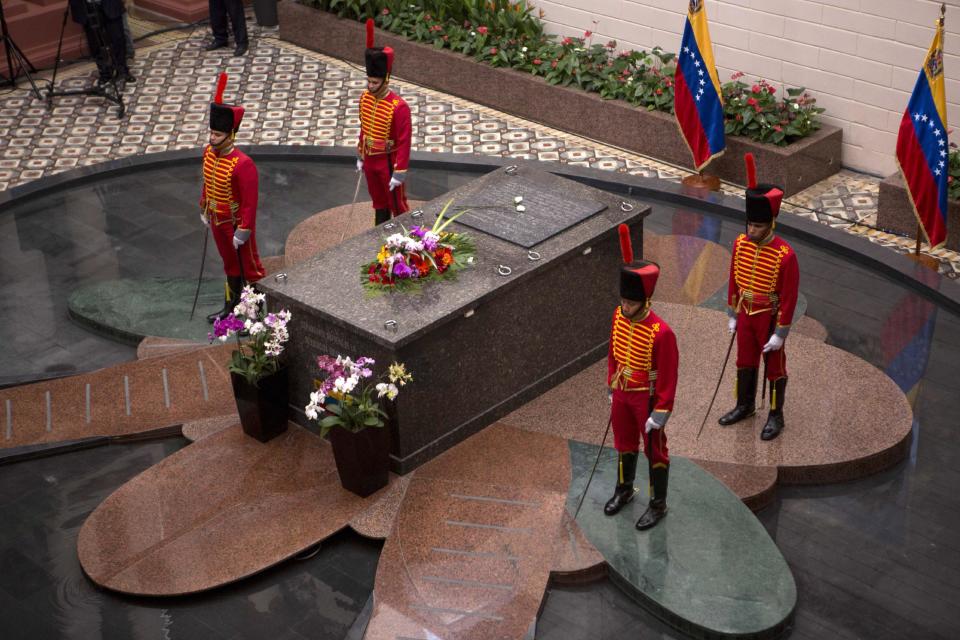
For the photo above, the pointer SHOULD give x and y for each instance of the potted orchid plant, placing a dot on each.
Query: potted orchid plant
(348, 404)
(259, 378)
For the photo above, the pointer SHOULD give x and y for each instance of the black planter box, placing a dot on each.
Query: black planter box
(262, 408)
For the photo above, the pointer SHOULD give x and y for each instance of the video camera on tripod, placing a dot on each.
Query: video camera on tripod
(102, 22)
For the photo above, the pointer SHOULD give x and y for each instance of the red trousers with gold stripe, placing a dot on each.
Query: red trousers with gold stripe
(252, 269)
(629, 414)
(752, 333)
(376, 170)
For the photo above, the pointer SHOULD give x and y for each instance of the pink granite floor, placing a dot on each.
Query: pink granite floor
(217, 511)
(472, 548)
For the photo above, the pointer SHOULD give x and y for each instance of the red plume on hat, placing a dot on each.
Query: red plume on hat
(751, 170)
(626, 246)
(369, 33)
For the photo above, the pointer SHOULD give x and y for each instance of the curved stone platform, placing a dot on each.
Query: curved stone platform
(132, 398)
(217, 511)
(470, 552)
(845, 418)
(709, 568)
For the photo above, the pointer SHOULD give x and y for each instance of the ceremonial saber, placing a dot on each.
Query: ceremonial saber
(203, 259)
(723, 369)
(356, 191)
(594, 470)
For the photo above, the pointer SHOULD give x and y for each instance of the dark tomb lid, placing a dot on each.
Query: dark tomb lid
(549, 205)
(327, 288)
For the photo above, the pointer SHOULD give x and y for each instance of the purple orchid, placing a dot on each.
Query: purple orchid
(225, 327)
(401, 270)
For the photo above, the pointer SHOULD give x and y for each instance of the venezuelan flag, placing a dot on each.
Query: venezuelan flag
(697, 98)
(922, 145)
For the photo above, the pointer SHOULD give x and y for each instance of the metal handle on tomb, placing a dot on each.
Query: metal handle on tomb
(511, 170)
(625, 206)
(417, 213)
(504, 270)
(533, 255)
(390, 325)
(280, 277)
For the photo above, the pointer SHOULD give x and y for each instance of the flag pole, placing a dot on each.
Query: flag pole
(700, 181)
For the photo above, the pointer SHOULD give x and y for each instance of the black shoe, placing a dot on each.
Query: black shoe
(380, 216)
(737, 414)
(129, 78)
(656, 512)
(775, 421)
(215, 45)
(240, 50)
(621, 497)
(746, 398)
(773, 427)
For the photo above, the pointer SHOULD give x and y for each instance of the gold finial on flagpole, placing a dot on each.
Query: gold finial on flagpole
(943, 12)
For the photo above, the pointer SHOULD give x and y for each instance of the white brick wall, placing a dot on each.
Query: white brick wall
(860, 58)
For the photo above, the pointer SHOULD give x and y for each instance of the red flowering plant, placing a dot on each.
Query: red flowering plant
(409, 259)
(754, 111)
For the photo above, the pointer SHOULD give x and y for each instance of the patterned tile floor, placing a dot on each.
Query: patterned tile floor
(296, 96)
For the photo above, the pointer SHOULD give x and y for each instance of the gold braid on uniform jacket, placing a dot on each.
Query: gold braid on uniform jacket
(633, 349)
(756, 269)
(218, 180)
(376, 122)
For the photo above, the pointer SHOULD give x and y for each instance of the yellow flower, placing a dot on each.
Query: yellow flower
(383, 255)
(397, 373)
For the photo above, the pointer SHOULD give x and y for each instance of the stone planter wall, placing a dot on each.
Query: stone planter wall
(895, 213)
(614, 122)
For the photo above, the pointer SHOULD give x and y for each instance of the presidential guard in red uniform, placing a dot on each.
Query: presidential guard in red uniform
(642, 381)
(761, 299)
(383, 152)
(228, 202)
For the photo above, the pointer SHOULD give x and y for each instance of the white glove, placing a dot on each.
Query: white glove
(237, 242)
(394, 183)
(610, 396)
(359, 164)
(773, 344)
(650, 425)
(732, 325)
(204, 220)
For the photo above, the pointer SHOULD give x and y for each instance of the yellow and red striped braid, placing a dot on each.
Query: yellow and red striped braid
(633, 343)
(376, 116)
(217, 176)
(756, 267)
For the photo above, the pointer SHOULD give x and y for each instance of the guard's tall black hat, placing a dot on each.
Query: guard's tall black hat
(763, 200)
(638, 278)
(379, 60)
(224, 117)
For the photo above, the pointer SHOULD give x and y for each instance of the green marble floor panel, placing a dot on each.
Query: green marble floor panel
(709, 568)
(131, 309)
